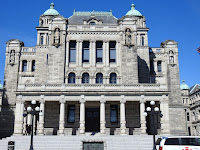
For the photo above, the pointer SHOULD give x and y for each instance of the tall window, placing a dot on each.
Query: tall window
(33, 66)
(113, 113)
(71, 114)
(99, 78)
(142, 41)
(159, 66)
(72, 51)
(113, 78)
(41, 40)
(86, 51)
(85, 78)
(47, 59)
(72, 78)
(99, 51)
(112, 49)
(24, 65)
(188, 117)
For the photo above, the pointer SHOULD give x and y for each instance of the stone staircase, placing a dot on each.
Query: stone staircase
(130, 142)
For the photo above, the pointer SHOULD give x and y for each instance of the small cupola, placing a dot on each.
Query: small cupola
(184, 86)
(133, 12)
(51, 11)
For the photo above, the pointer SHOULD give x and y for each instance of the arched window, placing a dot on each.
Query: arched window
(92, 23)
(41, 40)
(24, 65)
(99, 78)
(159, 66)
(85, 78)
(72, 78)
(113, 78)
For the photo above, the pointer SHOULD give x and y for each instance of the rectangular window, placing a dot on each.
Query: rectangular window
(86, 51)
(71, 114)
(41, 40)
(33, 65)
(113, 113)
(112, 49)
(72, 51)
(99, 51)
(24, 65)
(159, 66)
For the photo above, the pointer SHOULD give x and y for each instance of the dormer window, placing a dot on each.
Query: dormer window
(93, 21)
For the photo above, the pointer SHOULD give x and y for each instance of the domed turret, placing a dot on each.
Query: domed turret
(133, 12)
(51, 11)
(184, 86)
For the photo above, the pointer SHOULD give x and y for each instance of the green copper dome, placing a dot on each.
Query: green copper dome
(184, 86)
(133, 11)
(51, 11)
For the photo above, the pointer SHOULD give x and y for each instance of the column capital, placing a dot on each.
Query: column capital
(19, 99)
(42, 100)
(79, 41)
(82, 99)
(122, 100)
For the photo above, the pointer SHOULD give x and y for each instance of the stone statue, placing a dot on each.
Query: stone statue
(171, 59)
(57, 36)
(12, 57)
(128, 37)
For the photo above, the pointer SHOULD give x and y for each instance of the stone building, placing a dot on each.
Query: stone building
(92, 72)
(191, 99)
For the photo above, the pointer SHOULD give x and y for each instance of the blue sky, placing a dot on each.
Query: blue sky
(177, 20)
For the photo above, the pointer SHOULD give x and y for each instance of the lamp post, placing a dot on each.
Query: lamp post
(33, 111)
(153, 111)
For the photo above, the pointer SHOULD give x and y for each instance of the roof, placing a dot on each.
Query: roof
(51, 11)
(1, 86)
(133, 12)
(80, 16)
(194, 88)
(184, 86)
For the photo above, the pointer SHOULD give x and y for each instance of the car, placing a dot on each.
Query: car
(178, 143)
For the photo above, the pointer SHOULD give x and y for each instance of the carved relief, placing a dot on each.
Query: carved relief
(128, 37)
(56, 40)
(12, 57)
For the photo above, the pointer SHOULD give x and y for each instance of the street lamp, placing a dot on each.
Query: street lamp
(153, 111)
(33, 111)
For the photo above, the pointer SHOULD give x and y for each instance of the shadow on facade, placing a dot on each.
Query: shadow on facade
(143, 71)
(6, 119)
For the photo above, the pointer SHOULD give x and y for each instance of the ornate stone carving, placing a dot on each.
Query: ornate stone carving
(128, 37)
(57, 37)
(12, 57)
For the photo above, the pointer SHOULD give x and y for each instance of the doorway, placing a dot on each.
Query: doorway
(92, 120)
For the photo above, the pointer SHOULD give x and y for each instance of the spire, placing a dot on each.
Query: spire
(52, 6)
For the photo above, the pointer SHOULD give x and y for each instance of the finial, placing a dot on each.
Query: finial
(133, 6)
(52, 5)
(183, 81)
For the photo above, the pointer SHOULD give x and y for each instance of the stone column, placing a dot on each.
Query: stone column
(92, 53)
(67, 54)
(164, 108)
(122, 115)
(118, 53)
(18, 126)
(82, 115)
(107, 53)
(102, 116)
(142, 117)
(104, 53)
(41, 118)
(79, 60)
(62, 116)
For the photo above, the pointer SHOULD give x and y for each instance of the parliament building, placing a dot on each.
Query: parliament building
(92, 73)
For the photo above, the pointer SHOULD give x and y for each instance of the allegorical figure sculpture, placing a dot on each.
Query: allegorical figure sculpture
(171, 57)
(12, 57)
(57, 36)
(128, 37)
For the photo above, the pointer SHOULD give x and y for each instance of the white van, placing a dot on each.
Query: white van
(178, 143)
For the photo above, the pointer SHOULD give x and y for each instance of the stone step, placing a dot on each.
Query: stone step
(75, 142)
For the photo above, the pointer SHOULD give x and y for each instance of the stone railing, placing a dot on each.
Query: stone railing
(92, 87)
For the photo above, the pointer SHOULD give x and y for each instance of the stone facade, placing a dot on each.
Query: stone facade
(190, 99)
(61, 74)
